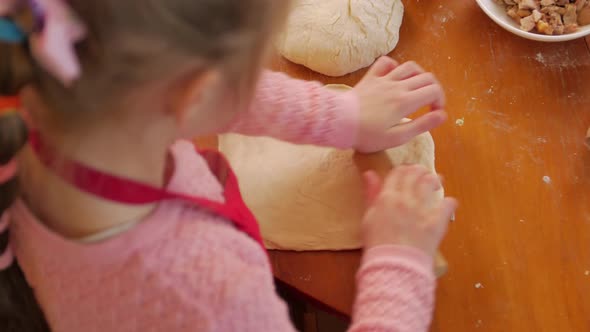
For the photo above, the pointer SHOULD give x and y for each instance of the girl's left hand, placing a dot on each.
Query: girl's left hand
(390, 92)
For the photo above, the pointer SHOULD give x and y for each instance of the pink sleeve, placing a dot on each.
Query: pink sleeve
(236, 292)
(395, 291)
(300, 112)
(395, 294)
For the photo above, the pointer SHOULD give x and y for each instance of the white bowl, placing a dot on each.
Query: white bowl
(498, 14)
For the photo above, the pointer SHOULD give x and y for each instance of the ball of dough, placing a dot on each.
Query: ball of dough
(307, 197)
(337, 37)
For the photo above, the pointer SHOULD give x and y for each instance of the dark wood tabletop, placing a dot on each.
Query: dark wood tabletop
(519, 251)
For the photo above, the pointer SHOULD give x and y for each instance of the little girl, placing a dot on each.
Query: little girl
(119, 224)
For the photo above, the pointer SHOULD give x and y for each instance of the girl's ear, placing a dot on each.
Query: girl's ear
(194, 93)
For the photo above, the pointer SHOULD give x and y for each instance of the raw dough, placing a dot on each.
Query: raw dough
(337, 37)
(307, 197)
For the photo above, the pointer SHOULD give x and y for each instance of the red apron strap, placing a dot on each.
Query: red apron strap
(127, 191)
(245, 219)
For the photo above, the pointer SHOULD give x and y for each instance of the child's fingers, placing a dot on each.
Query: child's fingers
(427, 185)
(393, 182)
(410, 181)
(405, 71)
(383, 66)
(373, 186)
(419, 81)
(447, 209)
(403, 133)
(432, 95)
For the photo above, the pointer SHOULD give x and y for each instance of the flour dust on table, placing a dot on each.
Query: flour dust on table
(309, 198)
(337, 37)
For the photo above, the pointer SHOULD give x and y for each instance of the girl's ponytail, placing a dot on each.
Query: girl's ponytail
(18, 309)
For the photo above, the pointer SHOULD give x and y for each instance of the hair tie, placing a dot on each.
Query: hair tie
(9, 104)
(11, 32)
(8, 171)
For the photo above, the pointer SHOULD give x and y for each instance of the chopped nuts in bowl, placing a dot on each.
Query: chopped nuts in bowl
(542, 20)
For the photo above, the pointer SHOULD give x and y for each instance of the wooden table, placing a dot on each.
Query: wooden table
(519, 251)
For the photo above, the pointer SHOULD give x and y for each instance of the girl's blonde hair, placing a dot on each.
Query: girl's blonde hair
(129, 43)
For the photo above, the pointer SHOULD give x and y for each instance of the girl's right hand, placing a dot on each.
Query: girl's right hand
(388, 94)
(405, 209)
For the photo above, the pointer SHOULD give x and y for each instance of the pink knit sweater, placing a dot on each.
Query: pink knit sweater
(181, 269)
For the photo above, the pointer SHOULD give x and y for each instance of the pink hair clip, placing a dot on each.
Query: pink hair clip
(54, 45)
(56, 32)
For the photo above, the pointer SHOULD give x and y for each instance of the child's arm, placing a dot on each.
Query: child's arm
(366, 118)
(300, 112)
(395, 294)
(223, 280)
(395, 291)
(402, 229)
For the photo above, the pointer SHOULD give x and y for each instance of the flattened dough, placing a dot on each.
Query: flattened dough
(306, 197)
(337, 37)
